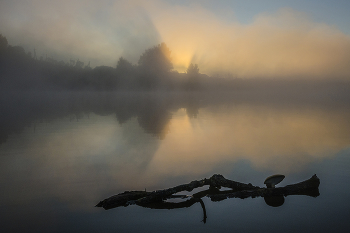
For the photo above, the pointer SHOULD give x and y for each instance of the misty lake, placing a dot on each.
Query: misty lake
(61, 153)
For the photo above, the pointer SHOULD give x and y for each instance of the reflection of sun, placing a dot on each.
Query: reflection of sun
(272, 139)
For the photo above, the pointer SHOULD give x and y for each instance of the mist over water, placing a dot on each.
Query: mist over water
(72, 135)
(98, 98)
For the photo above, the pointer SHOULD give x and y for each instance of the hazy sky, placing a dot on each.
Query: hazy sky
(248, 38)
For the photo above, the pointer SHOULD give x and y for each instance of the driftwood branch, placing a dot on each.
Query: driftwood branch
(156, 199)
(308, 187)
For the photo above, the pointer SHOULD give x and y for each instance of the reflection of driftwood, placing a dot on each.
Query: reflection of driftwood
(156, 199)
(172, 205)
(308, 187)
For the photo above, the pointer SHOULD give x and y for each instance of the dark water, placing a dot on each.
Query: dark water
(61, 153)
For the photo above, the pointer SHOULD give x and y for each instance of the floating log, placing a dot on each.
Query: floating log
(156, 199)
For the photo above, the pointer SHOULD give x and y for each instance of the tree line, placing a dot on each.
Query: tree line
(154, 71)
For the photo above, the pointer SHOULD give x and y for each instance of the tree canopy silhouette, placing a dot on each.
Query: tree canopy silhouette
(3, 42)
(156, 59)
(153, 72)
(124, 66)
(192, 69)
(193, 77)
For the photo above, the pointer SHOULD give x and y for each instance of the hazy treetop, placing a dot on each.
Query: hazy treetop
(156, 59)
(3, 42)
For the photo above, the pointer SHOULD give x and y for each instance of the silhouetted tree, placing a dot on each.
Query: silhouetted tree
(79, 64)
(156, 59)
(154, 68)
(72, 62)
(193, 77)
(104, 78)
(3, 43)
(88, 67)
(17, 50)
(192, 69)
(124, 66)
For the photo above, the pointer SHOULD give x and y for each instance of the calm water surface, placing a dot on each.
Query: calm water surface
(60, 154)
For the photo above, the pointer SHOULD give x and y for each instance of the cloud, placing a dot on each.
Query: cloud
(97, 31)
(286, 44)
(280, 45)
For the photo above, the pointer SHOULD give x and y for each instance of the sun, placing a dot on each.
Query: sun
(181, 60)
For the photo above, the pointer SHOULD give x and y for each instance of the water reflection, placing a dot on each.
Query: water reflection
(81, 147)
(274, 201)
(20, 110)
(278, 139)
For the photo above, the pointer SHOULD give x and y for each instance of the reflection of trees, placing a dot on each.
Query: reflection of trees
(192, 106)
(153, 112)
(157, 199)
(154, 118)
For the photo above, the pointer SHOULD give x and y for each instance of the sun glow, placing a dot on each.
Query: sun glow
(283, 45)
(181, 60)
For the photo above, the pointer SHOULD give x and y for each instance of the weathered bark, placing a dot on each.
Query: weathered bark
(239, 190)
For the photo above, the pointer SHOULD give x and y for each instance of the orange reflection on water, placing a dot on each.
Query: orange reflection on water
(281, 140)
(83, 161)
